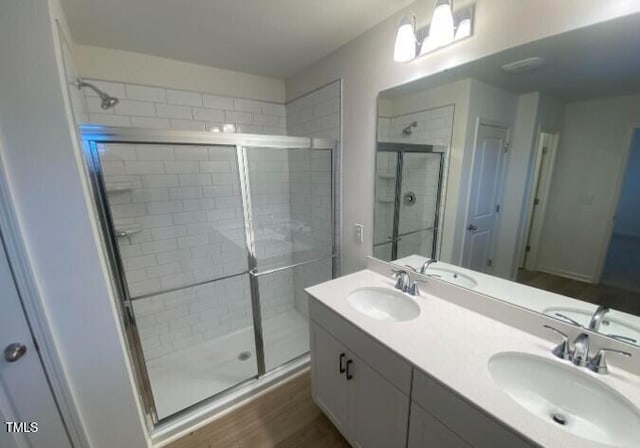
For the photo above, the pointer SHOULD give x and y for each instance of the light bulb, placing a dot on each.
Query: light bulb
(441, 28)
(464, 29)
(427, 46)
(405, 47)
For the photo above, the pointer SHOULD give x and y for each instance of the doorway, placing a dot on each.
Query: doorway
(623, 256)
(487, 177)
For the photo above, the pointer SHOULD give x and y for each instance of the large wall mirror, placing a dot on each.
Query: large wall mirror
(518, 175)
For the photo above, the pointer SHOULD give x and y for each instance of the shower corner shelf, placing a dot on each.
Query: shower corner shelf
(385, 200)
(386, 176)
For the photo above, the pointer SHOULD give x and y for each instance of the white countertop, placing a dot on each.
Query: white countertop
(526, 296)
(454, 345)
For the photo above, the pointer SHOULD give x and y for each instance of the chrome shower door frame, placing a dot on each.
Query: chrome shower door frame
(401, 149)
(93, 136)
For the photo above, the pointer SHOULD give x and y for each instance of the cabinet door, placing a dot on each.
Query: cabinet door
(378, 411)
(427, 432)
(328, 384)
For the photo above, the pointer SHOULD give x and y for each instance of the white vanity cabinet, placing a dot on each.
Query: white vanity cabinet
(425, 431)
(364, 388)
(449, 416)
(368, 403)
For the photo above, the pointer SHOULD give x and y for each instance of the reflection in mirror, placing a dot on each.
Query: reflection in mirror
(408, 183)
(539, 169)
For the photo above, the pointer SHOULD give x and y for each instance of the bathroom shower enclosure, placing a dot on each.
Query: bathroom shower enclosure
(408, 188)
(211, 240)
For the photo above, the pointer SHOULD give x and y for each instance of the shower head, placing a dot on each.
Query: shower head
(108, 101)
(407, 130)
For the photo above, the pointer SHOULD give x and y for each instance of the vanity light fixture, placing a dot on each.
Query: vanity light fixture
(405, 47)
(441, 30)
(446, 27)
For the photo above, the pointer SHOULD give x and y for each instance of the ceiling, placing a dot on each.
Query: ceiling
(593, 62)
(265, 37)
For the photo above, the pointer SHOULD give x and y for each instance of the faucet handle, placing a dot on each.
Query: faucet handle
(568, 319)
(562, 350)
(598, 363)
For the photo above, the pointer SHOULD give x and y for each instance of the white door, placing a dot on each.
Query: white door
(328, 376)
(425, 431)
(26, 402)
(378, 411)
(483, 208)
(541, 185)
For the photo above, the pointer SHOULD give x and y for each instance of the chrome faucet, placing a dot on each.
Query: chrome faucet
(579, 355)
(598, 317)
(404, 283)
(426, 264)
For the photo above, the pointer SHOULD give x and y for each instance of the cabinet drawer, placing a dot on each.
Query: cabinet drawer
(470, 423)
(391, 366)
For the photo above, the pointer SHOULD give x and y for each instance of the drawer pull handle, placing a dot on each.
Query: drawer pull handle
(341, 367)
(349, 375)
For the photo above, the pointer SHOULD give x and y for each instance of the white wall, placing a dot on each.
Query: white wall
(513, 205)
(50, 197)
(366, 67)
(137, 68)
(586, 180)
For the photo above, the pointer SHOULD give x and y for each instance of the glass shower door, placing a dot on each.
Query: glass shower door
(175, 215)
(418, 204)
(385, 197)
(292, 223)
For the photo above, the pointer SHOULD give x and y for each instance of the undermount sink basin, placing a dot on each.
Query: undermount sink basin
(384, 304)
(564, 396)
(611, 324)
(452, 276)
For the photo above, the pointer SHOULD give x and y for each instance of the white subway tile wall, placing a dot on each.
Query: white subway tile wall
(434, 127)
(159, 108)
(316, 114)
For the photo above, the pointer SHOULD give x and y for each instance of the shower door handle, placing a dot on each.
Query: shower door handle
(341, 367)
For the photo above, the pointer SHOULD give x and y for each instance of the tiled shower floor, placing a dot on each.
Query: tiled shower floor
(181, 379)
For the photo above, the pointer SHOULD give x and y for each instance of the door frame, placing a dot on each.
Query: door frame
(35, 315)
(533, 187)
(622, 171)
(480, 121)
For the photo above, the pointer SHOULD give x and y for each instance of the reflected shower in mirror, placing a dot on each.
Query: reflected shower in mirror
(540, 161)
